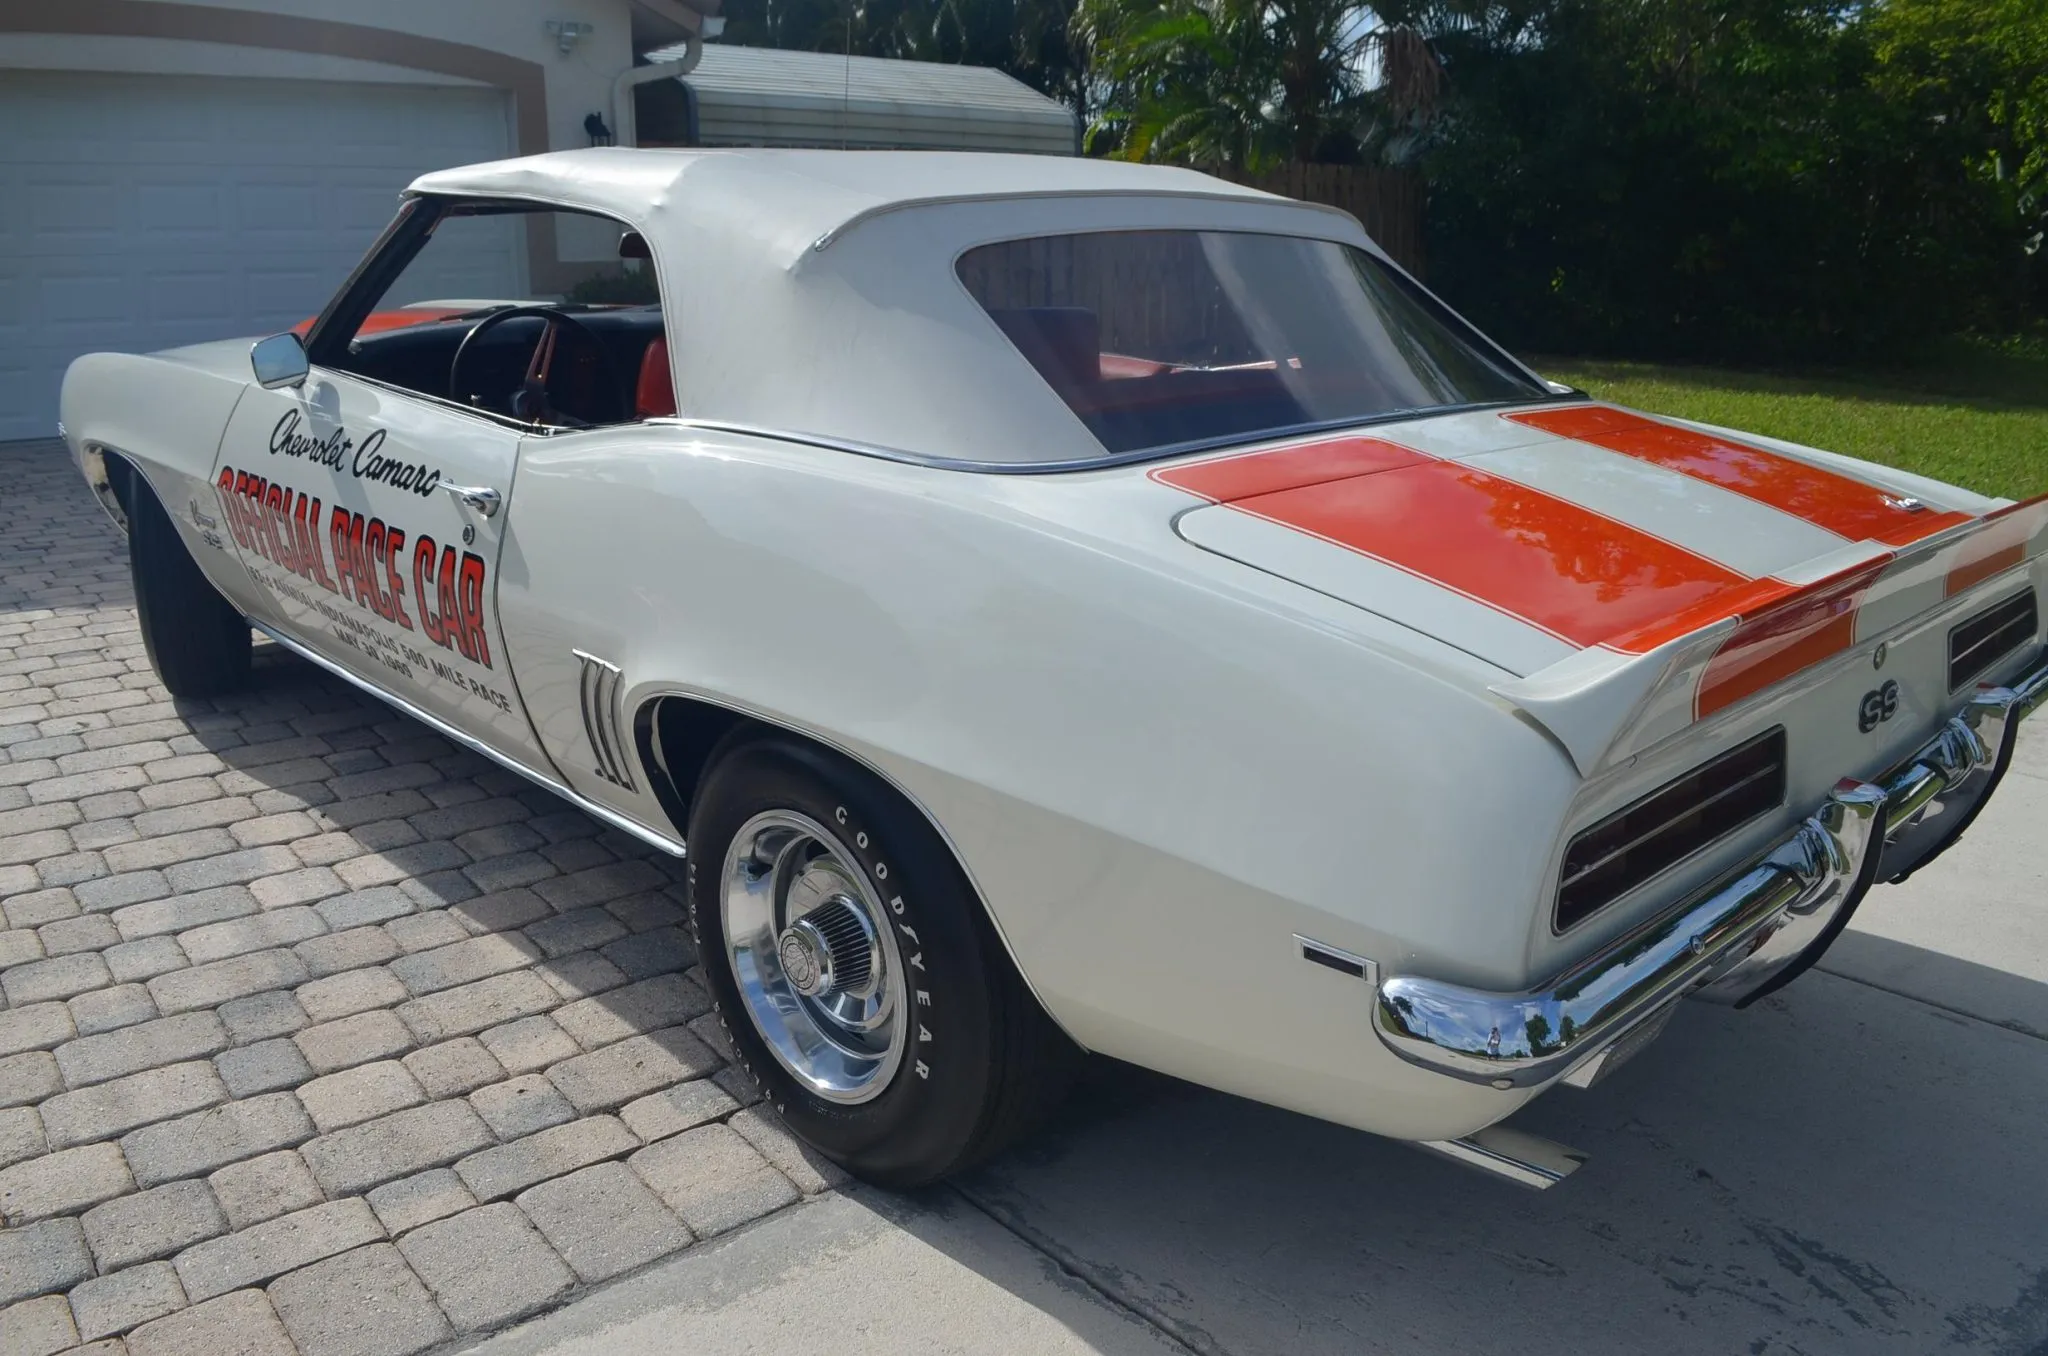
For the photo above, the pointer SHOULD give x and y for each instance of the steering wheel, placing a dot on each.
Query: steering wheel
(529, 400)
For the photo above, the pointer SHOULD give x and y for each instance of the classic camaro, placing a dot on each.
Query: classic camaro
(1069, 606)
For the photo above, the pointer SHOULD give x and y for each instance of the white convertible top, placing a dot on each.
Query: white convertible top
(809, 194)
(812, 293)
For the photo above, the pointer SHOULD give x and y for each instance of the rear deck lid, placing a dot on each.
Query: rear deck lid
(1595, 554)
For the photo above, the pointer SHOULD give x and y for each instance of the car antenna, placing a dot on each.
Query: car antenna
(846, 79)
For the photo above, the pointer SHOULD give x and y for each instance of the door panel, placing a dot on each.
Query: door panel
(339, 497)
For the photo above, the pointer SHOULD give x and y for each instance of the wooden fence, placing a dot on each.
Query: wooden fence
(1387, 201)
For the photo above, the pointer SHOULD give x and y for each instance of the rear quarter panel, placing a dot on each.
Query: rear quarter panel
(1156, 765)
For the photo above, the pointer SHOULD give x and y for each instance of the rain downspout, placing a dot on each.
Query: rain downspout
(625, 122)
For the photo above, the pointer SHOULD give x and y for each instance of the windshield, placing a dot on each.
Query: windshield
(1164, 339)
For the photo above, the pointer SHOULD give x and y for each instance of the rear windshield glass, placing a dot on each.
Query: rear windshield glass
(1163, 339)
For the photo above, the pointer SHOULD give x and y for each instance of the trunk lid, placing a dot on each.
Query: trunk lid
(1632, 575)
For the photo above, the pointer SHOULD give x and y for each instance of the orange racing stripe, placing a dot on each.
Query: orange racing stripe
(1850, 508)
(1226, 480)
(1575, 574)
(1578, 575)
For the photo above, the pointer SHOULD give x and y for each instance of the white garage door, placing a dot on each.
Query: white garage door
(139, 212)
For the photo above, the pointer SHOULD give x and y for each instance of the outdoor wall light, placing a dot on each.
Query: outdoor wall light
(567, 33)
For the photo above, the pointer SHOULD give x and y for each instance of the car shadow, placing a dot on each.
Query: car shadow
(1836, 1169)
(438, 844)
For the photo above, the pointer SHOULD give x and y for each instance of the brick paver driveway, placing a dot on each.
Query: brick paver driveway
(317, 1031)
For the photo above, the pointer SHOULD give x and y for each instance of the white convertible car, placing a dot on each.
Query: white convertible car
(1080, 606)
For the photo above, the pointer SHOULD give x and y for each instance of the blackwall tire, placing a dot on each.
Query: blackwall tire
(979, 1061)
(197, 642)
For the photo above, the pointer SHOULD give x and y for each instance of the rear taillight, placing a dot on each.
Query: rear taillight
(1976, 645)
(1670, 824)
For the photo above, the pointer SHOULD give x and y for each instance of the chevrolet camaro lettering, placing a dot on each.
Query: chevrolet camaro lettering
(336, 448)
(1065, 606)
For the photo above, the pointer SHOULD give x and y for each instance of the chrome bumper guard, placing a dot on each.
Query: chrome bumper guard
(1733, 942)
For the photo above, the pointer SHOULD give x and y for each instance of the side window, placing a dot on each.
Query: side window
(551, 319)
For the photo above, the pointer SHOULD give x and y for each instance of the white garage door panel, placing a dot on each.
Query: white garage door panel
(141, 212)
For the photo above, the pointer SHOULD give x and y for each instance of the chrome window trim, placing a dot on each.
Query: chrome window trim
(1108, 460)
(491, 417)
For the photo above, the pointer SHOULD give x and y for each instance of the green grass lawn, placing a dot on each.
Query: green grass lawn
(1978, 417)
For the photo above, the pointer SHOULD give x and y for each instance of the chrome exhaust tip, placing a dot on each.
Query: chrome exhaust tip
(1513, 1155)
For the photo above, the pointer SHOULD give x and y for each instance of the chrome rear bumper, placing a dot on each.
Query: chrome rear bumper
(1735, 941)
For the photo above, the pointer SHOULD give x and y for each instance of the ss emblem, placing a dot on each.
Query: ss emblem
(1879, 705)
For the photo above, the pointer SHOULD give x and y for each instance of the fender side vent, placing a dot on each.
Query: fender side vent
(1662, 829)
(1991, 635)
(602, 720)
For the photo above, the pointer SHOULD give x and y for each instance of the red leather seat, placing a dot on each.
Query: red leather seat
(655, 394)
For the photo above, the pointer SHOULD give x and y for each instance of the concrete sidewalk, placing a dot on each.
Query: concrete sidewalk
(856, 1271)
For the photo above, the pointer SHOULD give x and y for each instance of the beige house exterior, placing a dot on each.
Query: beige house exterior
(172, 172)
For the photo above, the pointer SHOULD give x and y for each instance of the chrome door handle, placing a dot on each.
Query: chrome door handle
(482, 498)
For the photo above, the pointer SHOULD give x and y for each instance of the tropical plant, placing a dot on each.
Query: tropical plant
(1247, 84)
(1746, 179)
(1976, 74)
(1700, 178)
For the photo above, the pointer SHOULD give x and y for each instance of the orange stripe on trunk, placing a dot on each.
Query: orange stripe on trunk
(1226, 480)
(1849, 507)
(1566, 570)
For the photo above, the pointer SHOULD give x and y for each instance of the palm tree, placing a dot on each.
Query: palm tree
(1248, 84)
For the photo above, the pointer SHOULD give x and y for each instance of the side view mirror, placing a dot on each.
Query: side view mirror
(279, 360)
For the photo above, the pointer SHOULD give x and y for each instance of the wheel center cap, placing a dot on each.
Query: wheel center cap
(800, 962)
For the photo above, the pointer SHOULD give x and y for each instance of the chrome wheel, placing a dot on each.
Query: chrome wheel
(813, 956)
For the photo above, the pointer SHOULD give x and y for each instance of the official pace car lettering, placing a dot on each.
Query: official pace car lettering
(365, 461)
(1849, 508)
(363, 559)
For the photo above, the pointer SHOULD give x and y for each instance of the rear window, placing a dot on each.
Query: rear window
(1172, 339)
